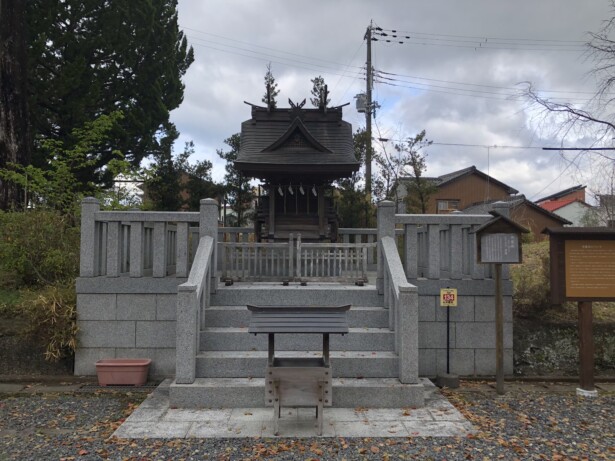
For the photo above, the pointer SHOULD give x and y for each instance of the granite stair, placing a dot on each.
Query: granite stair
(230, 365)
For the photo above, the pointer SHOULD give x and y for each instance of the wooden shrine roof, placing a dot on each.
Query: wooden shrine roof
(296, 141)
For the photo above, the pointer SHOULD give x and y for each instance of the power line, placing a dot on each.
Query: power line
(269, 57)
(484, 95)
(556, 178)
(492, 146)
(478, 47)
(274, 59)
(449, 92)
(479, 84)
(485, 37)
(347, 67)
(430, 85)
(578, 148)
(251, 44)
(458, 144)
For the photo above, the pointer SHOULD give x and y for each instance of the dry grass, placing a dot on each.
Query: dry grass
(568, 313)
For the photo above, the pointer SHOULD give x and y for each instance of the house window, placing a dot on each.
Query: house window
(447, 206)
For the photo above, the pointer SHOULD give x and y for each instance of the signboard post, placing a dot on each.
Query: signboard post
(498, 242)
(583, 270)
(448, 299)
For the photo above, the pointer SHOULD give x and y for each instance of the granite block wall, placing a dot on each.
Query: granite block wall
(127, 325)
(471, 331)
(115, 322)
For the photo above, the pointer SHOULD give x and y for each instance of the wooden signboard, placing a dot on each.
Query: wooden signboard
(589, 269)
(498, 242)
(583, 270)
(500, 248)
(582, 264)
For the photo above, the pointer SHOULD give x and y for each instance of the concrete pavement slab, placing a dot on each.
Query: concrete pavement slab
(154, 419)
(213, 429)
(298, 428)
(194, 415)
(402, 414)
(153, 430)
(370, 429)
(143, 414)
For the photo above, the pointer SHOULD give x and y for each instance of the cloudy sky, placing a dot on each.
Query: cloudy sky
(456, 76)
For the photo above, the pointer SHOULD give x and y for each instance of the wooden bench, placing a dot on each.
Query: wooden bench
(298, 381)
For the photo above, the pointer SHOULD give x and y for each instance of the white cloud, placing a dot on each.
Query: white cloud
(233, 42)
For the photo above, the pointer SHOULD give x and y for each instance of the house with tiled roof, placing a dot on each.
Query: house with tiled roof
(473, 192)
(523, 212)
(460, 189)
(568, 203)
(574, 192)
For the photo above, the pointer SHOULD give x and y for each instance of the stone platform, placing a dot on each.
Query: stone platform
(155, 419)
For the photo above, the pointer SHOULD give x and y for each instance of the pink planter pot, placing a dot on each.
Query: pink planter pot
(127, 372)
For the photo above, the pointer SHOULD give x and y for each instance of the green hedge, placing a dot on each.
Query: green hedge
(38, 247)
(39, 256)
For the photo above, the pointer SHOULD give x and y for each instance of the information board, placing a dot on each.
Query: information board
(590, 268)
(499, 248)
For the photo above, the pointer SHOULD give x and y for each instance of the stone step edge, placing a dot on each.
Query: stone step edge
(204, 354)
(243, 307)
(387, 383)
(352, 330)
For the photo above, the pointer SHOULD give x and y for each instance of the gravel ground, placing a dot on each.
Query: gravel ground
(519, 425)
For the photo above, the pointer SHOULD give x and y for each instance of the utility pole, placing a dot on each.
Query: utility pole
(368, 111)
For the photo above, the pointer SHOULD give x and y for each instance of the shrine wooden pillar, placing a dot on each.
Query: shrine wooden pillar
(322, 221)
(271, 226)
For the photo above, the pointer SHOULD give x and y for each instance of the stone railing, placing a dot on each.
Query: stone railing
(136, 243)
(193, 296)
(441, 246)
(402, 300)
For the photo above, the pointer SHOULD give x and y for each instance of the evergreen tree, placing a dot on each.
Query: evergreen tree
(173, 183)
(162, 187)
(271, 89)
(354, 205)
(237, 187)
(14, 126)
(88, 57)
(196, 182)
(320, 93)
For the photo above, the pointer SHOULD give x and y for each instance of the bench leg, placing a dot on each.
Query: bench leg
(319, 408)
(276, 408)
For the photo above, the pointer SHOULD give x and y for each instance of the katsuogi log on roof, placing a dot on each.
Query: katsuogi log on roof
(279, 144)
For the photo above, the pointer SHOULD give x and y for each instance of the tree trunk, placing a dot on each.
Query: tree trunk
(14, 126)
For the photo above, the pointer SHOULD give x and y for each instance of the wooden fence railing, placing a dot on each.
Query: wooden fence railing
(251, 261)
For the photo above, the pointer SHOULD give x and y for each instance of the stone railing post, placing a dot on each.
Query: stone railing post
(187, 334)
(208, 226)
(386, 228)
(408, 334)
(87, 263)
